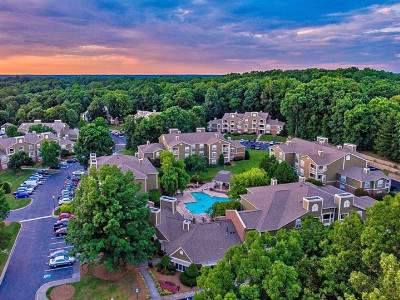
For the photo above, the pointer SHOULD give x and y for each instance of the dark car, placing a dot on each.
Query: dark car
(61, 232)
(60, 224)
(21, 195)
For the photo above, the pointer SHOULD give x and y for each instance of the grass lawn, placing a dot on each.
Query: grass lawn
(93, 288)
(128, 152)
(10, 231)
(236, 167)
(15, 179)
(241, 136)
(273, 138)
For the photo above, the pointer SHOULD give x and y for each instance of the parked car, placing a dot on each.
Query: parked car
(65, 215)
(65, 200)
(61, 252)
(78, 173)
(61, 232)
(61, 261)
(33, 183)
(60, 224)
(43, 172)
(63, 165)
(21, 195)
(72, 160)
(21, 189)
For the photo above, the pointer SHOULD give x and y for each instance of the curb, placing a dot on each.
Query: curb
(17, 209)
(41, 292)
(3, 273)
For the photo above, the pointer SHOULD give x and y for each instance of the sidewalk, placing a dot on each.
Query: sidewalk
(150, 283)
(41, 292)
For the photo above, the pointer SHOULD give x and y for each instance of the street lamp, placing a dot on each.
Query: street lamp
(54, 205)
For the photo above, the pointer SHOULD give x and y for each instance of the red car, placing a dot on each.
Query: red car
(169, 286)
(65, 215)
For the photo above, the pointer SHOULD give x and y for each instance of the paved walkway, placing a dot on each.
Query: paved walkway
(41, 292)
(179, 296)
(150, 283)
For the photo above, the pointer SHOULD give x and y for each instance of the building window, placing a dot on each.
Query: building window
(297, 223)
(346, 204)
(11, 150)
(342, 216)
(314, 207)
(380, 183)
(21, 148)
(214, 147)
(367, 184)
(347, 157)
(301, 163)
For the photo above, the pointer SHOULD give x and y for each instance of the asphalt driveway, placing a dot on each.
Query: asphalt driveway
(28, 268)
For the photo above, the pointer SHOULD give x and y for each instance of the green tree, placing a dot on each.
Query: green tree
(174, 176)
(251, 178)
(284, 173)
(19, 159)
(12, 131)
(221, 159)
(117, 103)
(50, 153)
(93, 139)
(4, 206)
(111, 222)
(189, 276)
(385, 142)
(219, 208)
(39, 128)
(195, 163)
(269, 164)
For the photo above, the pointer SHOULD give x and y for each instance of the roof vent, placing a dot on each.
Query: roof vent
(322, 140)
(350, 147)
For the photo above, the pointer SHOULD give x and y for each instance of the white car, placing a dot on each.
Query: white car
(32, 183)
(64, 201)
(61, 261)
(78, 172)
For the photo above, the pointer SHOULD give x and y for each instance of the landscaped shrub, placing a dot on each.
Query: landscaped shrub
(189, 276)
(165, 266)
(238, 158)
(195, 178)
(154, 196)
(246, 154)
(6, 187)
(221, 160)
(314, 181)
(195, 163)
(360, 192)
(218, 208)
(67, 207)
(64, 153)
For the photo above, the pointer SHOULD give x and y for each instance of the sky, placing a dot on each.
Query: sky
(196, 37)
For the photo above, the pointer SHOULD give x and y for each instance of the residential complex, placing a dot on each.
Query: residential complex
(248, 122)
(29, 143)
(270, 208)
(143, 171)
(208, 144)
(187, 242)
(341, 166)
(61, 129)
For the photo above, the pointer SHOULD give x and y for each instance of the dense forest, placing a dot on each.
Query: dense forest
(346, 105)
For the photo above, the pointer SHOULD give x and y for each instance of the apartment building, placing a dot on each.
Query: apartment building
(340, 165)
(208, 144)
(30, 143)
(248, 122)
(270, 208)
(143, 171)
(61, 129)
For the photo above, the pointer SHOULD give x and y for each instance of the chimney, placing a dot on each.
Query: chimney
(169, 202)
(177, 137)
(350, 147)
(340, 147)
(200, 129)
(148, 143)
(320, 152)
(155, 216)
(366, 170)
(34, 132)
(274, 181)
(93, 160)
(37, 121)
(313, 204)
(140, 160)
(215, 118)
(57, 121)
(186, 225)
(217, 135)
(302, 179)
(174, 130)
(322, 140)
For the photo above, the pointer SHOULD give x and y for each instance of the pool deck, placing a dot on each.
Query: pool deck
(187, 197)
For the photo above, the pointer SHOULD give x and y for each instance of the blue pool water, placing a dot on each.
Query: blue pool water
(203, 202)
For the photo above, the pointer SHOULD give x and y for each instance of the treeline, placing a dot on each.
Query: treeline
(340, 104)
(347, 260)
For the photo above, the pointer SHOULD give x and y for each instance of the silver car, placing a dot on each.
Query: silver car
(61, 252)
(61, 261)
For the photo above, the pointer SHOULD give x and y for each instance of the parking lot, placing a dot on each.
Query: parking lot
(257, 145)
(28, 268)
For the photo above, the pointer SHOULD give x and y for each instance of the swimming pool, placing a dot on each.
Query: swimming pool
(203, 202)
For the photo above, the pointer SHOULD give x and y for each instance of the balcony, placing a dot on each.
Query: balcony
(318, 170)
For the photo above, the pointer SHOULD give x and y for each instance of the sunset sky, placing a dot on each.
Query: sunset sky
(195, 37)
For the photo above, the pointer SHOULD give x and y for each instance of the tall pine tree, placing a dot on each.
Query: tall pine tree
(386, 136)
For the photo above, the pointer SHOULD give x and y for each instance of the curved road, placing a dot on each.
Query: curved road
(28, 268)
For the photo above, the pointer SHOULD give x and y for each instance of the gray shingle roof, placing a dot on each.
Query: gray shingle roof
(204, 243)
(140, 169)
(359, 174)
(303, 147)
(223, 176)
(150, 148)
(192, 138)
(279, 205)
(56, 126)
